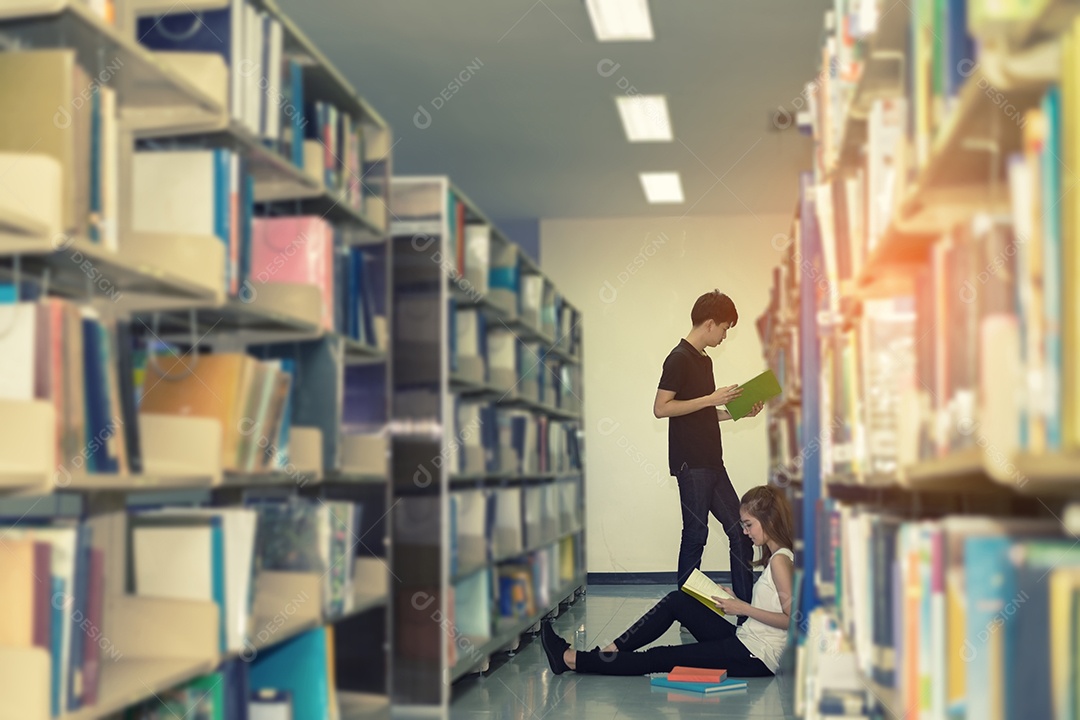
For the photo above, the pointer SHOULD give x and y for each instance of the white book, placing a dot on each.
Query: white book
(18, 333)
(238, 526)
(236, 67)
(468, 332)
(64, 542)
(532, 296)
(478, 256)
(261, 708)
(472, 606)
(174, 562)
(252, 60)
(173, 192)
(273, 73)
(502, 349)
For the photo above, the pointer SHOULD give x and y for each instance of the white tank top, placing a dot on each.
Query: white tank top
(764, 642)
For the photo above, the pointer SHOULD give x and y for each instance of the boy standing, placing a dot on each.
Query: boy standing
(687, 395)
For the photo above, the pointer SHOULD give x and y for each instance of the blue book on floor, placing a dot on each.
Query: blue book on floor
(729, 685)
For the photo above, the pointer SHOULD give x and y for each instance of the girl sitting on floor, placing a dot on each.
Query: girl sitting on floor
(752, 649)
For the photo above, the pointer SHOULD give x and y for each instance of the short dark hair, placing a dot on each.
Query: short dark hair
(715, 306)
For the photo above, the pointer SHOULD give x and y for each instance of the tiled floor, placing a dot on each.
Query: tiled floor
(522, 687)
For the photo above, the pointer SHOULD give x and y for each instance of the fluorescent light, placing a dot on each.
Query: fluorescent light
(614, 20)
(645, 118)
(662, 187)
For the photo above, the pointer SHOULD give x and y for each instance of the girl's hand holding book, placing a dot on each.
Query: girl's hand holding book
(731, 605)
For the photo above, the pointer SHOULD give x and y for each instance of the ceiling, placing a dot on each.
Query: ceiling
(532, 130)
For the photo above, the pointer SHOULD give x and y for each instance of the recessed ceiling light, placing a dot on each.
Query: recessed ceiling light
(662, 187)
(645, 118)
(615, 20)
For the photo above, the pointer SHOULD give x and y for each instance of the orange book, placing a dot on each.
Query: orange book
(209, 386)
(692, 674)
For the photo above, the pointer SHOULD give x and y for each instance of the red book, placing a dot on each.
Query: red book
(42, 618)
(692, 674)
(95, 611)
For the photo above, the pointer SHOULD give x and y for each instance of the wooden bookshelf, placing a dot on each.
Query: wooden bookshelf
(152, 94)
(428, 390)
(172, 285)
(510, 631)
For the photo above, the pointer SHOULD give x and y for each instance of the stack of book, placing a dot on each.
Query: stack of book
(83, 365)
(54, 584)
(684, 683)
(295, 679)
(74, 169)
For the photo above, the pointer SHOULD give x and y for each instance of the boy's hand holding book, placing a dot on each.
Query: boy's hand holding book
(724, 395)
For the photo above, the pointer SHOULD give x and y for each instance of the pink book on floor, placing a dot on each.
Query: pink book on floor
(693, 674)
(296, 250)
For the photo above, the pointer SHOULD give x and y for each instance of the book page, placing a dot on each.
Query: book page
(700, 584)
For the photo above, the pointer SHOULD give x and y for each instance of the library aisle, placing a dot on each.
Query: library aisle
(522, 686)
(388, 359)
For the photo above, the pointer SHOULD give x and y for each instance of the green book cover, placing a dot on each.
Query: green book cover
(762, 388)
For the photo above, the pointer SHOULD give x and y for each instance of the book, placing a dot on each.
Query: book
(758, 389)
(707, 688)
(298, 667)
(696, 675)
(700, 587)
(46, 84)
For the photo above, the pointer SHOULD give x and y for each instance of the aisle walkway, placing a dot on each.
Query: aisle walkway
(522, 687)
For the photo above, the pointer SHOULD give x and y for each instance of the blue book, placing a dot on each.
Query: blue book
(281, 457)
(728, 685)
(247, 215)
(341, 290)
(221, 202)
(95, 168)
(57, 649)
(453, 536)
(81, 600)
(297, 119)
(959, 47)
(216, 31)
(316, 397)
(1027, 627)
(504, 277)
(991, 583)
(237, 689)
(451, 315)
(298, 666)
(1052, 263)
(365, 298)
(97, 402)
(217, 553)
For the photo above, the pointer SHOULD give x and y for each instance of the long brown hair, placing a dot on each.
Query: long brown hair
(771, 508)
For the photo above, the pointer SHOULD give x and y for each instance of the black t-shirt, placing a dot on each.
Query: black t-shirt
(693, 439)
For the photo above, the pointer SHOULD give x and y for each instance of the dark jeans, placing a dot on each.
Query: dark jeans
(702, 490)
(717, 645)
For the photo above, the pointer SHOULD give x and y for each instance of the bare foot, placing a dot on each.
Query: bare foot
(570, 658)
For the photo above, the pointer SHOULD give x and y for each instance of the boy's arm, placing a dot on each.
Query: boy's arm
(723, 414)
(665, 405)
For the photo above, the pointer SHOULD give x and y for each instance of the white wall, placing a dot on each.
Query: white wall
(635, 280)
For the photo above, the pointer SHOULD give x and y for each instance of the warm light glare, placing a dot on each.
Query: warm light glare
(614, 20)
(662, 187)
(645, 118)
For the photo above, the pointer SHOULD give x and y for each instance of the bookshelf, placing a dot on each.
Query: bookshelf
(927, 284)
(182, 288)
(488, 481)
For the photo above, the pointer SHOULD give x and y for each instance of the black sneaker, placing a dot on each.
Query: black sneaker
(554, 647)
